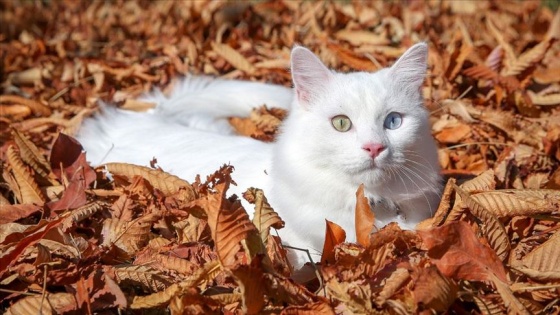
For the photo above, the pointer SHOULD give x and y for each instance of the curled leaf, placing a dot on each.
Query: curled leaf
(491, 227)
(167, 183)
(509, 203)
(27, 189)
(30, 154)
(265, 217)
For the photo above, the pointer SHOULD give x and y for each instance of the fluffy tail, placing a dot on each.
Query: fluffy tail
(195, 104)
(201, 102)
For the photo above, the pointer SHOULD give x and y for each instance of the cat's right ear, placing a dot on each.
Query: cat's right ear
(309, 74)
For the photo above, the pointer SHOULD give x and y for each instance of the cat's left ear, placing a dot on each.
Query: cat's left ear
(309, 74)
(410, 70)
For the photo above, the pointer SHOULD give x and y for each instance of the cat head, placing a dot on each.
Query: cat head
(362, 124)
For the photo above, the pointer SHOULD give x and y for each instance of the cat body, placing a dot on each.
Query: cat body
(342, 130)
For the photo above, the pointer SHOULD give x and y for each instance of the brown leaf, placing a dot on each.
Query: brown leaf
(28, 191)
(140, 276)
(230, 225)
(321, 308)
(361, 37)
(80, 214)
(137, 106)
(365, 218)
(393, 283)
(250, 280)
(491, 227)
(527, 59)
(68, 161)
(28, 240)
(545, 257)
(162, 298)
(543, 100)
(334, 236)
(444, 206)
(30, 154)
(481, 72)
(74, 196)
(57, 303)
(458, 254)
(433, 289)
(265, 217)
(11, 213)
(37, 108)
(453, 134)
(286, 291)
(165, 182)
(128, 236)
(262, 124)
(233, 57)
(512, 202)
(349, 58)
(104, 292)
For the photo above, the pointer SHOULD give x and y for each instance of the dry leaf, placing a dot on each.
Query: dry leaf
(433, 289)
(334, 236)
(360, 37)
(167, 183)
(56, 303)
(453, 134)
(365, 218)
(546, 256)
(250, 280)
(264, 217)
(233, 57)
(230, 225)
(27, 188)
(141, 277)
(459, 254)
(37, 108)
(30, 154)
(491, 227)
(509, 203)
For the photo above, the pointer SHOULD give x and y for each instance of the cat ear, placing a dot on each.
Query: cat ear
(410, 70)
(309, 74)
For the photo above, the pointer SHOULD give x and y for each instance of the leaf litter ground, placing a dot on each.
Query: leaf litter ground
(74, 239)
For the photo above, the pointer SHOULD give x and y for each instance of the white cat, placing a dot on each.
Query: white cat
(342, 130)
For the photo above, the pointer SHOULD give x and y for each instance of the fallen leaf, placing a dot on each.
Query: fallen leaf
(365, 218)
(460, 255)
(334, 236)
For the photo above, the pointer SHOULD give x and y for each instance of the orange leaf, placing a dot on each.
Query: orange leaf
(434, 290)
(334, 236)
(230, 225)
(364, 217)
(251, 285)
(453, 134)
(350, 58)
(458, 253)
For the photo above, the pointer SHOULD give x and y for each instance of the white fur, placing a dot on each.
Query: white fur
(313, 171)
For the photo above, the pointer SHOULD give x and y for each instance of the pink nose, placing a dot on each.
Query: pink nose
(373, 149)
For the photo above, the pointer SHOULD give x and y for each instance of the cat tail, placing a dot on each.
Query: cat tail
(204, 102)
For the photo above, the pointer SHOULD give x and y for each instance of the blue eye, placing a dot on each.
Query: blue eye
(393, 121)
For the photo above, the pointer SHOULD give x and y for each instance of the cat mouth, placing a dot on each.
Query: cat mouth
(368, 167)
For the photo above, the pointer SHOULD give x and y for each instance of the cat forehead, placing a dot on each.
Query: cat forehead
(360, 91)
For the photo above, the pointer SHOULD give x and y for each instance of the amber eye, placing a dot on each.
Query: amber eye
(341, 123)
